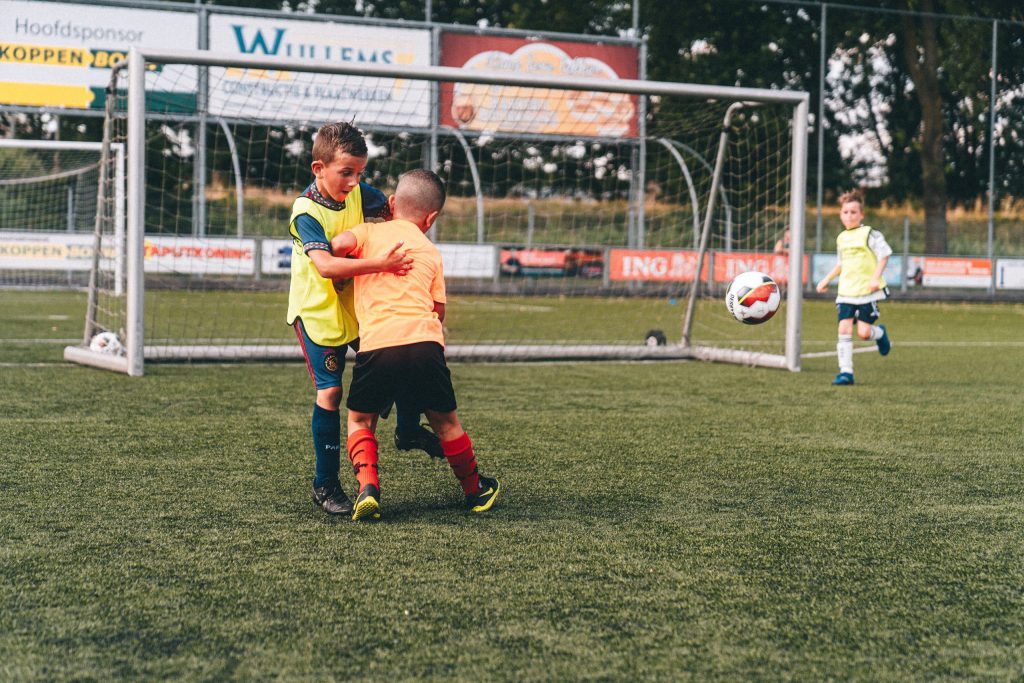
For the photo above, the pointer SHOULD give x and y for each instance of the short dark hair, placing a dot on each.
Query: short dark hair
(332, 138)
(420, 191)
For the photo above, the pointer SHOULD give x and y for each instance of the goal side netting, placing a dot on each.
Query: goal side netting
(581, 214)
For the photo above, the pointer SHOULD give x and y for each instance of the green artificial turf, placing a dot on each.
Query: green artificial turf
(658, 521)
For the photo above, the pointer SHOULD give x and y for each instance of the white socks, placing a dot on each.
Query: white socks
(876, 333)
(844, 349)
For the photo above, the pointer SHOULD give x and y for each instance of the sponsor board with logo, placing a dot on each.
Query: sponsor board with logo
(1010, 273)
(573, 262)
(538, 110)
(189, 255)
(949, 271)
(653, 265)
(284, 95)
(50, 251)
(60, 55)
(729, 264)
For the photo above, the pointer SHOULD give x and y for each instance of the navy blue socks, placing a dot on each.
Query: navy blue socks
(406, 421)
(327, 444)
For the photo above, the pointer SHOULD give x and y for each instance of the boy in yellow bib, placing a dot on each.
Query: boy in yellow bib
(320, 303)
(863, 254)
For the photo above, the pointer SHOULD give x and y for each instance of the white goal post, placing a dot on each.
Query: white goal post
(752, 191)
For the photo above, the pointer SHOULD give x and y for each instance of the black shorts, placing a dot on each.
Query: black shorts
(415, 375)
(865, 313)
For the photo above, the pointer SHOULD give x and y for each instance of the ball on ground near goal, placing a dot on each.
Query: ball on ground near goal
(106, 342)
(753, 298)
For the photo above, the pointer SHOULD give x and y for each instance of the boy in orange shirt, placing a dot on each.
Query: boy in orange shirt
(401, 352)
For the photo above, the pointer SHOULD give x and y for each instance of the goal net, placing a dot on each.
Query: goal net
(48, 212)
(579, 220)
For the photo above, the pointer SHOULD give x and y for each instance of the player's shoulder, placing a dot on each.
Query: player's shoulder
(375, 203)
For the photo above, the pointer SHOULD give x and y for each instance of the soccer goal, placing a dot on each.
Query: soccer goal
(582, 212)
(48, 207)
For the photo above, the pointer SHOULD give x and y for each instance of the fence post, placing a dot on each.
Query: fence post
(992, 161)
(906, 254)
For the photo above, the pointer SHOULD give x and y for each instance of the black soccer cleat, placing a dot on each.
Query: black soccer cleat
(483, 499)
(367, 504)
(421, 439)
(332, 498)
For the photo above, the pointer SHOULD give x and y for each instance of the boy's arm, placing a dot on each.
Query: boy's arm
(876, 278)
(334, 264)
(439, 310)
(823, 283)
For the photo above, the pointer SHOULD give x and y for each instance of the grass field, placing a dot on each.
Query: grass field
(659, 521)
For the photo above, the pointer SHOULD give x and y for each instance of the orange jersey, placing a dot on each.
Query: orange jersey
(393, 310)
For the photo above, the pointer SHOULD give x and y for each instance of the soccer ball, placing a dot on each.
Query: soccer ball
(108, 343)
(753, 298)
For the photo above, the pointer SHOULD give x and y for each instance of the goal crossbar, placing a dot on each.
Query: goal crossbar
(137, 352)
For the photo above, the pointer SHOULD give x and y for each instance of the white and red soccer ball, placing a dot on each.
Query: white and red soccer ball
(753, 298)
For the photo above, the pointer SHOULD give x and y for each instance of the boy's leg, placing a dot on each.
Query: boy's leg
(362, 453)
(868, 330)
(410, 435)
(844, 348)
(480, 491)
(325, 365)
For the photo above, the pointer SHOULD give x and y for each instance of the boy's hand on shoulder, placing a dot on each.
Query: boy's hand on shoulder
(395, 261)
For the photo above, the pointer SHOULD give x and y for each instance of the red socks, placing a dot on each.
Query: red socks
(459, 454)
(362, 451)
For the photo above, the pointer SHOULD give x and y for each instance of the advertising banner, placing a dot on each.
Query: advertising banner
(574, 262)
(648, 265)
(291, 96)
(948, 271)
(468, 260)
(186, 255)
(498, 108)
(59, 55)
(729, 264)
(50, 251)
(276, 257)
(1009, 273)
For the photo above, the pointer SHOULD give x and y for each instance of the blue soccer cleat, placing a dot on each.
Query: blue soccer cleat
(884, 344)
(843, 378)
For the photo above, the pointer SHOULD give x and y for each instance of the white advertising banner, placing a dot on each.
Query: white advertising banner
(1010, 273)
(60, 55)
(469, 260)
(185, 255)
(291, 96)
(50, 251)
(276, 257)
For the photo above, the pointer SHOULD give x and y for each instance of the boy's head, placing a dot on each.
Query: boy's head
(851, 209)
(419, 197)
(339, 157)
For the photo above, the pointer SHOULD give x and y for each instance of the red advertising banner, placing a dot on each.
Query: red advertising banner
(729, 264)
(647, 265)
(946, 271)
(538, 110)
